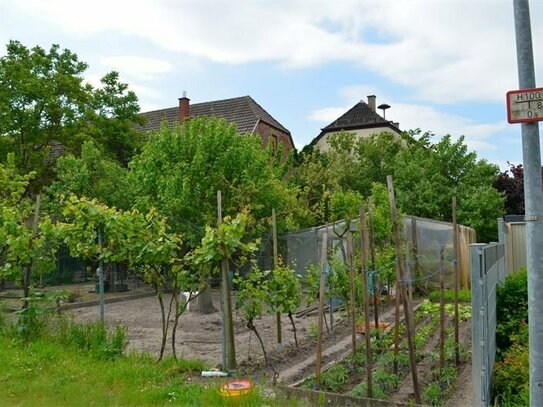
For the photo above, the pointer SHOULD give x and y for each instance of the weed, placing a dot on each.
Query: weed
(362, 391)
(432, 394)
(334, 378)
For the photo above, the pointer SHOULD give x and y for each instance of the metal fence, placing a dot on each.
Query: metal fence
(488, 269)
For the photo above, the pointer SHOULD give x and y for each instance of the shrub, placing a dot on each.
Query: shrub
(511, 376)
(511, 308)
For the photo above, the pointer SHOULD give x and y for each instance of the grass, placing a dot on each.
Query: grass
(73, 365)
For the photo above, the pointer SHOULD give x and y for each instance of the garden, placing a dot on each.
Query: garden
(177, 241)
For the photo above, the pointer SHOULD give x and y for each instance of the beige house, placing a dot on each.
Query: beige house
(362, 119)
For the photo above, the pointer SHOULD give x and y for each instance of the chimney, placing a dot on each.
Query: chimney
(184, 107)
(372, 102)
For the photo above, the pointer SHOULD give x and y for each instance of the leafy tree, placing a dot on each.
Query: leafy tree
(512, 186)
(27, 244)
(181, 169)
(427, 177)
(142, 240)
(44, 104)
(93, 175)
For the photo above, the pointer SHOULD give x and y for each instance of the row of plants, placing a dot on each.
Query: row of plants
(390, 369)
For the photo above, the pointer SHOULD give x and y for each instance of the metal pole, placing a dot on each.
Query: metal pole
(533, 195)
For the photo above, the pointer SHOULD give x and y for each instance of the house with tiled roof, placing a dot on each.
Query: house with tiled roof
(248, 116)
(362, 120)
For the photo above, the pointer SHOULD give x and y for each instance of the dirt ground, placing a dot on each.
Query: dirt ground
(198, 336)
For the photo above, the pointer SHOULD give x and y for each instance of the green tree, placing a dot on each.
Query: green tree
(45, 105)
(427, 177)
(27, 243)
(92, 175)
(181, 169)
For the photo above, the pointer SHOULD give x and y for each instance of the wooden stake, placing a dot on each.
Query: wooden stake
(376, 292)
(364, 260)
(27, 271)
(275, 264)
(352, 293)
(408, 314)
(322, 288)
(229, 351)
(456, 285)
(441, 309)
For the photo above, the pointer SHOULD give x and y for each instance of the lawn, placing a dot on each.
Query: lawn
(45, 373)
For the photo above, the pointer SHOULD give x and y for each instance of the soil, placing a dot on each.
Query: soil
(198, 335)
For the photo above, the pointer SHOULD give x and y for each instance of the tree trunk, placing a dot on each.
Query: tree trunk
(293, 328)
(204, 304)
(253, 328)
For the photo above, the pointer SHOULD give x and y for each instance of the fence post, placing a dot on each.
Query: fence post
(477, 259)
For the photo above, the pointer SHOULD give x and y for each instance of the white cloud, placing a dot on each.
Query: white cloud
(138, 67)
(327, 114)
(445, 52)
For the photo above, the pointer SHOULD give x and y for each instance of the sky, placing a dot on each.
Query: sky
(443, 66)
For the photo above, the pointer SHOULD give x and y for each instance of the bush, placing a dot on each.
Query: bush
(511, 308)
(511, 377)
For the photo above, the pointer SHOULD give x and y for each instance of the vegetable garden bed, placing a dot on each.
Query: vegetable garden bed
(391, 378)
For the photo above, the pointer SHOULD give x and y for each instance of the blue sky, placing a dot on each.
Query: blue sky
(444, 66)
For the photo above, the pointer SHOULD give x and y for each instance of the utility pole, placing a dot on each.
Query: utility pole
(533, 193)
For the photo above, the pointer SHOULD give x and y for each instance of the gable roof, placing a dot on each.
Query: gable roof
(360, 116)
(242, 111)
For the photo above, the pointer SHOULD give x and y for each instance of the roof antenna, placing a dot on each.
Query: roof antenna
(383, 107)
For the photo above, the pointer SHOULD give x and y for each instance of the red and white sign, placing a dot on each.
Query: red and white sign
(525, 105)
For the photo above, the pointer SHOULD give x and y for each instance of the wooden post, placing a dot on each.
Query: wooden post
(229, 351)
(415, 247)
(408, 314)
(27, 270)
(322, 287)
(456, 284)
(101, 277)
(441, 310)
(275, 264)
(364, 266)
(352, 293)
(376, 291)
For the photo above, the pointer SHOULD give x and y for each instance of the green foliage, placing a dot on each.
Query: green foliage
(427, 175)
(464, 295)
(511, 376)
(284, 290)
(432, 394)
(511, 308)
(225, 241)
(333, 378)
(93, 338)
(93, 175)
(43, 102)
(22, 250)
(181, 169)
(252, 294)
(32, 319)
(361, 390)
